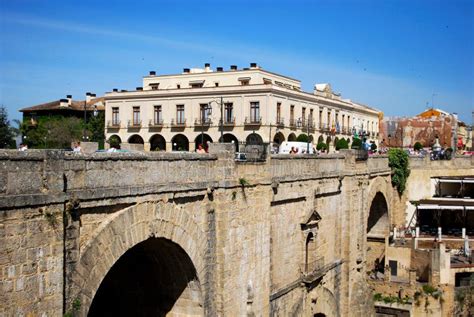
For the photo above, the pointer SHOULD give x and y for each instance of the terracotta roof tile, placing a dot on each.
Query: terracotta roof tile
(76, 105)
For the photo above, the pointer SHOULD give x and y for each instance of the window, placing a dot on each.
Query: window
(393, 267)
(245, 82)
(292, 115)
(204, 110)
(229, 112)
(343, 121)
(254, 111)
(278, 118)
(179, 114)
(311, 123)
(320, 119)
(337, 122)
(115, 116)
(154, 86)
(217, 84)
(303, 116)
(329, 119)
(136, 115)
(157, 115)
(178, 86)
(348, 121)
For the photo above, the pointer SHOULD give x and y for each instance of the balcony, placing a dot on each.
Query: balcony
(323, 127)
(228, 122)
(157, 123)
(292, 123)
(181, 123)
(280, 122)
(113, 124)
(253, 121)
(134, 124)
(315, 269)
(203, 122)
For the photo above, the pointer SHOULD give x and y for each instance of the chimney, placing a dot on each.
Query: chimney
(186, 70)
(63, 103)
(69, 99)
(253, 65)
(88, 96)
(233, 67)
(207, 67)
(139, 88)
(115, 90)
(152, 73)
(124, 90)
(219, 69)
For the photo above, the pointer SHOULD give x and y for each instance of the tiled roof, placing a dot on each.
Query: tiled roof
(76, 105)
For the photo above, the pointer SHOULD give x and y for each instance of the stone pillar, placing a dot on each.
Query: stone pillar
(440, 231)
(417, 232)
(147, 146)
(395, 232)
(463, 233)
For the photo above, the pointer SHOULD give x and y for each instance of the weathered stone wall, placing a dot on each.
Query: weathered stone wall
(240, 224)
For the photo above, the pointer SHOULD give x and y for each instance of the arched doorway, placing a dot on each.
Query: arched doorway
(114, 141)
(180, 143)
(278, 138)
(320, 139)
(328, 141)
(292, 137)
(154, 278)
(254, 139)
(230, 138)
(135, 139)
(157, 143)
(203, 139)
(378, 227)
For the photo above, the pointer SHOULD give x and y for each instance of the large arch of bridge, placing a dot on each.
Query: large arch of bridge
(145, 226)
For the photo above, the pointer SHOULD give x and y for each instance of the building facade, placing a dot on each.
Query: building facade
(252, 105)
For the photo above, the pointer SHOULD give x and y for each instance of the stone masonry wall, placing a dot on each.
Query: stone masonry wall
(249, 214)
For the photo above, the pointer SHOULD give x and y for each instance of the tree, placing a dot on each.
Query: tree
(341, 144)
(6, 131)
(302, 138)
(321, 146)
(417, 146)
(356, 144)
(398, 162)
(96, 128)
(55, 132)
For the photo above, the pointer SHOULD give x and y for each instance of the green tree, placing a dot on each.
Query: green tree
(302, 138)
(417, 146)
(356, 144)
(398, 162)
(321, 146)
(341, 144)
(96, 128)
(54, 132)
(6, 131)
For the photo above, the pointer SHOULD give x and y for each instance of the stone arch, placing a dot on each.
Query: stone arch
(230, 138)
(279, 138)
(323, 302)
(292, 137)
(254, 139)
(382, 186)
(114, 141)
(135, 139)
(126, 229)
(203, 139)
(180, 143)
(157, 143)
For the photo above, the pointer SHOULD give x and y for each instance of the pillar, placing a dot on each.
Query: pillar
(439, 233)
(417, 232)
(463, 233)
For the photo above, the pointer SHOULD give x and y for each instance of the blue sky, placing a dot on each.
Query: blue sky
(397, 56)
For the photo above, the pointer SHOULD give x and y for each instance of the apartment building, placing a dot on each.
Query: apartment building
(250, 105)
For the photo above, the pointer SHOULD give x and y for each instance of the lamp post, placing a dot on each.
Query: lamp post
(221, 123)
(206, 111)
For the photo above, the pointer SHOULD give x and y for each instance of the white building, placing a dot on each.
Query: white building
(179, 112)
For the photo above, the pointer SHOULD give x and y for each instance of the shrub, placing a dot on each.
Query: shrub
(114, 141)
(356, 144)
(417, 146)
(342, 144)
(321, 146)
(302, 138)
(398, 162)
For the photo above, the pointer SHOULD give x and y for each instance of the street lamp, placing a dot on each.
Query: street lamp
(221, 123)
(206, 111)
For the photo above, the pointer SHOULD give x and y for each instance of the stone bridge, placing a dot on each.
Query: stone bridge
(144, 234)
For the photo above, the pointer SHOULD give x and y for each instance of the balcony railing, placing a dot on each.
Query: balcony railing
(134, 123)
(253, 121)
(203, 122)
(312, 270)
(178, 123)
(230, 122)
(292, 123)
(155, 123)
(324, 127)
(280, 122)
(113, 124)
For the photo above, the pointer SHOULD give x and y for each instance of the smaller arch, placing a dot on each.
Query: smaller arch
(135, 139)
(279, 138)
(292, 137)
(311, 138)
(203, 139)
(320, 139)
(180, 142)
(157, 143)
(230, 138)
(254, 139)
(114, 141)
